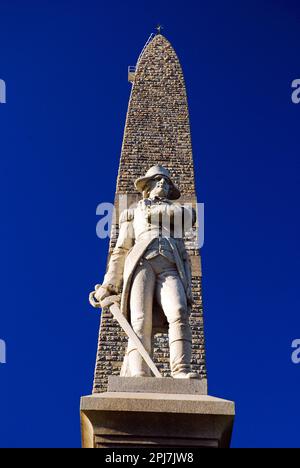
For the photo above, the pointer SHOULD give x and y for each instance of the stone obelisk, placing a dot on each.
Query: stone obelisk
(157, 131)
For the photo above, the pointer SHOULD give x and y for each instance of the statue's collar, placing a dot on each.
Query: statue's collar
(157, 200)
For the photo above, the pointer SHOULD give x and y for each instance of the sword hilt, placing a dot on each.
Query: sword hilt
(110, 300)
(106, 302)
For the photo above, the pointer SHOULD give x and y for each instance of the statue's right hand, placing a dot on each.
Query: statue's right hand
(97, 297)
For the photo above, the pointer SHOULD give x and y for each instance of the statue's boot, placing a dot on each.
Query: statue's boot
(180, 360)
(137, 365)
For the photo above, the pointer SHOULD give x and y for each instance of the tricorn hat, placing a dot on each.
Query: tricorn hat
(154, 171)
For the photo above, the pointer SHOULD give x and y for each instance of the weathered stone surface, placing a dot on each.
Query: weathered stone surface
(112, 420)
(157, 402)
(157, 131)
(155, 385)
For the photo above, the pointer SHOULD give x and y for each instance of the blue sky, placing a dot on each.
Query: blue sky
(65, 66)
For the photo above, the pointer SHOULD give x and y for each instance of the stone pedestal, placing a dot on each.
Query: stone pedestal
(161, 419)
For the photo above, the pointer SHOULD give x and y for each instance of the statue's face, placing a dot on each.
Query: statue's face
(159, 187)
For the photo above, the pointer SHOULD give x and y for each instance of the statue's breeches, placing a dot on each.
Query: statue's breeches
(158, 279)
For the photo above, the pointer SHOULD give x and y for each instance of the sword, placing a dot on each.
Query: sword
(112, 303)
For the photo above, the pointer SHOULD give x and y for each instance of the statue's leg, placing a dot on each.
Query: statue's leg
(171, 296)
(141, 303)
